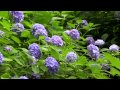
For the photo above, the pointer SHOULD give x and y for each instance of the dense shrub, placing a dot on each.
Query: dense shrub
(59, 45)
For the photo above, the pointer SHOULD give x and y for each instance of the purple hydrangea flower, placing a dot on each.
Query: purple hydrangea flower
(114, 47)
(35, 76)
(67, 32)
(23, 77)
(34, 50)
(1, 33)
(18, 16)
(48, 39)
(90, 40)
(8, 48)
(74, 34)
(71, 57)
(57, 40)
(84, 22)
(39, 32)
(38, 26)
(18, 28)
(99, 42)
(1, 58)
(52, 65)
(93, 51)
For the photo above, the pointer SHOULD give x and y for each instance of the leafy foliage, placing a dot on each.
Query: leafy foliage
(18, 62)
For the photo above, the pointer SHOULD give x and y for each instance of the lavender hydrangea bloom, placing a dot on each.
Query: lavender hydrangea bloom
(84, 22)
(99, 42)
(39, 32)
(34, 50)
(37, 26)
(18, 28)
(93, 51)
(18, 16)
(1, 58)
(114, 47)
(57, 40)
(8, 48)
(1, 33)
(74, 34)
(90, 40)
(23, 77)
(71, 57)
(35, 76)
(52, 65)
(48, 39)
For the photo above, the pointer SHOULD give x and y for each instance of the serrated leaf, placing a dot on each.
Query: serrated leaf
(114, 61)
(5, 76)
(17, 40)
(71, 25)
(25, 33)
(114, 71)
(5, 24)
(35, 69)
(19, 62)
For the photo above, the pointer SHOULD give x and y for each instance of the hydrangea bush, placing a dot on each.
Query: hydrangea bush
(45, 45)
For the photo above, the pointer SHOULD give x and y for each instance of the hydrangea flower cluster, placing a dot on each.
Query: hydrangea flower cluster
(18, 16)
(84, 23)
(99, 42)
(39, 30)
(8, 48)
(23, 77)
(52, 65)
(93, 51)
(90, 40)
(18, 28)
(71, 57)
(114, 47)
(34, 50)
(35, 76)
(74, 34)
(1, 58)
(57, 40)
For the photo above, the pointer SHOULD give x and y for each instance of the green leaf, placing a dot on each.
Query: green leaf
(6, 24)
(54, 52)
(5, 76)
(7, 59)
(71, 25)
(71, 77)
(114, 61)
(35, 69)
(79, 21)
(26, 23)
(114, 71)
(17, 40)
(104, 36)
(19, 62)
(81, 60)
(4, 14)
(25, 33)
